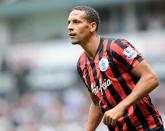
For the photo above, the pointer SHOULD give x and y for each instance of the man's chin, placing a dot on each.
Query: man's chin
(75, 42)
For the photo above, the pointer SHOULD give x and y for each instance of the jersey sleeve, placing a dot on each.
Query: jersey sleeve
(81, 74)
(78, 68)
(125, 54)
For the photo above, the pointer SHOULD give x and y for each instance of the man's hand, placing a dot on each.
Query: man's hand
(111, 116)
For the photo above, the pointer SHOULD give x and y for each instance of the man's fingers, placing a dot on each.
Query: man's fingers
(107, 120)
(104, 120)
(113, 122)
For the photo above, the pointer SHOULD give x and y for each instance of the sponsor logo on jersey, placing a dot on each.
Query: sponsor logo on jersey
(103, 64)
(130, 52)
(101, 87)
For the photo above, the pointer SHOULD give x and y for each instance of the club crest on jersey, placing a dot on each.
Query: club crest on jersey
(103, 64)
(130, 52)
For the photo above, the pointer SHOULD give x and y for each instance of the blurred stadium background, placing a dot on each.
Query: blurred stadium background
(39, 86)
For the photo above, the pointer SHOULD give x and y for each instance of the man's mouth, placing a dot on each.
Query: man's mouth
(72, 34)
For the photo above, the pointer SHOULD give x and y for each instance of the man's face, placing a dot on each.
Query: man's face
(78, 27)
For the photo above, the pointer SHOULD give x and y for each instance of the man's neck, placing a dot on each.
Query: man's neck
(90, 47)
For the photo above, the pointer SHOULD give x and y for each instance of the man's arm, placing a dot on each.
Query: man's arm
(95, 115)
(147, 82)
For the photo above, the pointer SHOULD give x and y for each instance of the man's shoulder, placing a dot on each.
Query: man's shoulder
(110, 41)
(81, 57)
(109, 38)
(113, 38)
(80, 62)
(116, 41)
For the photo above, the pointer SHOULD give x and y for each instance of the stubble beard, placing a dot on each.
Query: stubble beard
(75, 42)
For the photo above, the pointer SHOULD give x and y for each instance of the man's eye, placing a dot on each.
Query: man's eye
(76, 21)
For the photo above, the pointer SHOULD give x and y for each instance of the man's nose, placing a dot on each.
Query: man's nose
(70, 27)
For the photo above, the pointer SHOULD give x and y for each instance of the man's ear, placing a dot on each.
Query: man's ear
(93, 26)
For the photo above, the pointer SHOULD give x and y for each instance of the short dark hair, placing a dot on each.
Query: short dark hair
(91, 14)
